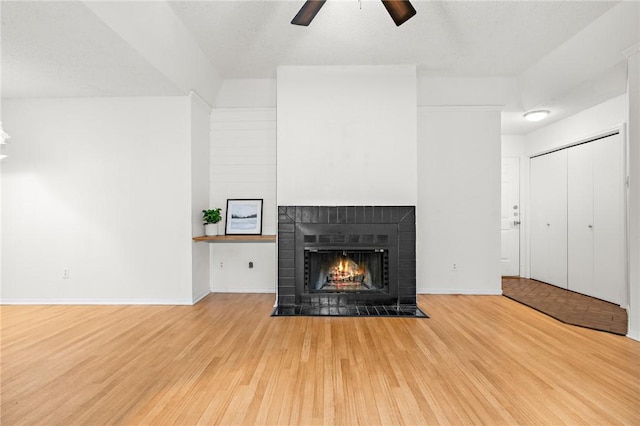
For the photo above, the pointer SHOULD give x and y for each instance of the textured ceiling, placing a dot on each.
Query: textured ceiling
(246, 39)
(63, 49)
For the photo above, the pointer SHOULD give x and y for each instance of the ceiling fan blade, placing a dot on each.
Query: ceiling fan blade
(400, 10)
(307, 12)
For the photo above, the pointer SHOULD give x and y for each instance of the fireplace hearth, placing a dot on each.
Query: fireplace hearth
(347, 260)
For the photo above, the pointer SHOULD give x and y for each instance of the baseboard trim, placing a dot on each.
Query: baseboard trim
(96, 302)
(462, 291)
(243, 290)
(200, 297)
(633, 336)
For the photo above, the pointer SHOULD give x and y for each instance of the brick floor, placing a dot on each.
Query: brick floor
(567, 306)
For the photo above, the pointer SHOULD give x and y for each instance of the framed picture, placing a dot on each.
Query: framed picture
(244, 217)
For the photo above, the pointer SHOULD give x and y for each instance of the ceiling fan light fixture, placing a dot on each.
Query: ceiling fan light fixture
(307, 12)
(537, 115)
(400, 10)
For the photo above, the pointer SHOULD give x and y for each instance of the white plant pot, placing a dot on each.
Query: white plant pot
(211, 229)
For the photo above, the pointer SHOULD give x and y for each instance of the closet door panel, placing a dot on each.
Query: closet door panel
(537, 232)
(609, 219)
(580, 218)
(557, 250)
(548, 208)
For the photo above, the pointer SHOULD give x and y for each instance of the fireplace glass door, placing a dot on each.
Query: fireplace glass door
(346, 271)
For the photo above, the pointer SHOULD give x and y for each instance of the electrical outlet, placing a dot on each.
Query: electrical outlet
(454, 267)
(65, 273)
(221, 265)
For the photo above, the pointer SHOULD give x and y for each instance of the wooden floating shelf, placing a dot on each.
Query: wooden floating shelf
(237, 239)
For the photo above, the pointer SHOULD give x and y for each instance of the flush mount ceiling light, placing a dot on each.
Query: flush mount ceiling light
(3, 135)
(3, 139)
(400, 10)
(538, 115)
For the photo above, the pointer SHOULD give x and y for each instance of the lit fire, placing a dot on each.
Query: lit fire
(346, 272)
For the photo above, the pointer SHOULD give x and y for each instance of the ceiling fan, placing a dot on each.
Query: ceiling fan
(400, 10)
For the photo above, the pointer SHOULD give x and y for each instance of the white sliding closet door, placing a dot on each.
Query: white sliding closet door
(548, 201)
(596, 218)
(609, 220)
(580, 218)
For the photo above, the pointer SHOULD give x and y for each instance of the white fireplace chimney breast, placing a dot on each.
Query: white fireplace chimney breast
(347, 135)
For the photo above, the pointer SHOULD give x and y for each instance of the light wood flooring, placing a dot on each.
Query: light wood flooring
(477, 360)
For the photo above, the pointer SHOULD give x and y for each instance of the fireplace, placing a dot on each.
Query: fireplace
(346, 256)
(355, 260)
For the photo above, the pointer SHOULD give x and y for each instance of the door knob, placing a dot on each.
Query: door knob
(516, 222)
(590, 226)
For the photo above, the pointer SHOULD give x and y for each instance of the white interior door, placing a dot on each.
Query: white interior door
(548, 218)
(580, 218)
(510, 217)
(609, 219)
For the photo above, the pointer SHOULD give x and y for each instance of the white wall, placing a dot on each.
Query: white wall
(512, 145)
(247, 93)
(458, 220)
(199, 133)
(241, 137)
(100, 187)
(470, 91)
(243, 165)
(347, 135)
(588, 123)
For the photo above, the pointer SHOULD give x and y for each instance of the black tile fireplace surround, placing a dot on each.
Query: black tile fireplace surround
(385, 236)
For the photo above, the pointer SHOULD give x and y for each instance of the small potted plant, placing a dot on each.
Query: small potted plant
(211, 218)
